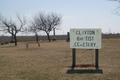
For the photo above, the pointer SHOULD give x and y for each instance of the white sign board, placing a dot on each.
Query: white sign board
(85, 38)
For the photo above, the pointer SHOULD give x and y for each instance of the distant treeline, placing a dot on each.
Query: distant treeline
(59, 37)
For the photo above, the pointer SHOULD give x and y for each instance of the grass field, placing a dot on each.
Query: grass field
(52, 61)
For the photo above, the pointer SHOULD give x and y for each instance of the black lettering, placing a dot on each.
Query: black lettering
(81, 38)
(76, 44)
(84, 44)
(85, 32)
(89, 44)
(92, 38)
(78, 38)
(89, 38)
(90, 32)
(78, 32)
(94, 44)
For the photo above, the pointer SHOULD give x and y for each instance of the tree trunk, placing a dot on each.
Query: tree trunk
(48, 37)
(15, 40)
(54, 32)
(36, 38)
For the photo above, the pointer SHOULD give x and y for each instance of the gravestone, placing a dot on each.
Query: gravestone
(68, 37)
(38, 44)
(43, 40)
(12, 40)
(12, 37)
(2, 40)
(6, 40)
(54, 37)
(27, 46)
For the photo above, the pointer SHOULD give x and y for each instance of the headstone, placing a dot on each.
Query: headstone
(43, 40)
(38, 44)
(54, 38)
(27, 46)
(2, 40)
(68, 37)
(12, 40)
(6, 40)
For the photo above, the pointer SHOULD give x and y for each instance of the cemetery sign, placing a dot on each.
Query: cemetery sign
(85, 38)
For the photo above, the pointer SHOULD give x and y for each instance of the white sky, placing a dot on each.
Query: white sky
(76, 13)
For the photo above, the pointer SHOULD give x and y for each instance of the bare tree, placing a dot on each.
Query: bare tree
(115, 0)
(11, 27)
(117, 10)
(34, 27)
(46, 22)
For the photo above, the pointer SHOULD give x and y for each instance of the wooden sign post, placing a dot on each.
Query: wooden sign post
(85, 39)
(96, 57)
(73, 57)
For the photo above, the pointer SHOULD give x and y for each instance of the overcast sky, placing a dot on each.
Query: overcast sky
(76, 13)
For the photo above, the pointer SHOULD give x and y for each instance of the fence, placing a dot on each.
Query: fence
(59, 37)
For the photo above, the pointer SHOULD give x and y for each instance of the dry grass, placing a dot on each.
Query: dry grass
(51, 61)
